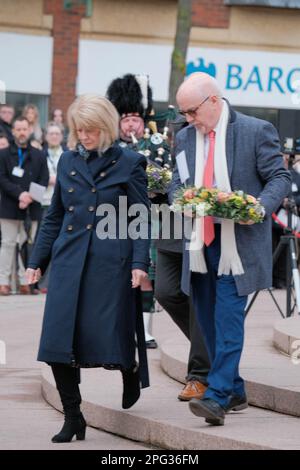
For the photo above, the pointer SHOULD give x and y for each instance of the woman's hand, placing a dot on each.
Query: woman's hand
(33, 275)
(138, 276)
(189, 213)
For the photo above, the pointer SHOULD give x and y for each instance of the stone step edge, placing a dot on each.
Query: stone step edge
(286, 336)
(147, 430)
(261, 395)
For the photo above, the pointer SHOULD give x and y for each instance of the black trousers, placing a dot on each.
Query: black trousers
(279, 269)
(179, 307)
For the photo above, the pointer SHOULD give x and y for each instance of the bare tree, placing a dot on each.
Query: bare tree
(178, 64)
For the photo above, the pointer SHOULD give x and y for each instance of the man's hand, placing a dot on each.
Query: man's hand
(25, 198)
(22, 205)
(33, 275)
(248, 222)
(189, 213)
(138, 276)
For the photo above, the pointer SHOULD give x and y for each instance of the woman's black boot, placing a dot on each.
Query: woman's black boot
(73, 425)
(131, 386)
(67, 379)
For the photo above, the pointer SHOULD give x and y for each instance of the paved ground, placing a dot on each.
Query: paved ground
(26, 420)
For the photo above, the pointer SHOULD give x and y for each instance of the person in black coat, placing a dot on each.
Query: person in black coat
(91, 314)
(4, 142)
(6, 117)
(292, 204)
(20, 165)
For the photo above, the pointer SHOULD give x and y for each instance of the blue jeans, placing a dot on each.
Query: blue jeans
(220, 313)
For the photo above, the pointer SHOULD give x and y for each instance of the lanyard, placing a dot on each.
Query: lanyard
(21, 157)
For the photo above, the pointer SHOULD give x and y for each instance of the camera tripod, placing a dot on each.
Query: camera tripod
(287, 243)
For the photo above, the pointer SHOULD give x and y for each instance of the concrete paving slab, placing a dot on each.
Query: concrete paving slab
(273, 380)
(158, 418)
(27, 422)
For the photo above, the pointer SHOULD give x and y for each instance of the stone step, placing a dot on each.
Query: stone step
(286, 337)
(159, 419)
(272, 378)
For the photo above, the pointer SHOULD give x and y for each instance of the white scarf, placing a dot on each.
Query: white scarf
(230, 261)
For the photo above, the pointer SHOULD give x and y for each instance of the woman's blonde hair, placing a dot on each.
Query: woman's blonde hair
(37, 130)
(93, 112)
(34, 108)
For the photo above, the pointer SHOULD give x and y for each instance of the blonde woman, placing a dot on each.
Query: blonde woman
(31, 113)
(91, 316)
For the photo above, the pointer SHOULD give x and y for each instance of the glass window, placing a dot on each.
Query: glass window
(268, 114)
(19, 100)
(265, 3)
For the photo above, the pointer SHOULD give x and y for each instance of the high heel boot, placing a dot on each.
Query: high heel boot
(67, 379)
(72, 425)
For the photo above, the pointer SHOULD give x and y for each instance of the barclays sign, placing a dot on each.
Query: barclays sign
(247, 77)
(251, 78)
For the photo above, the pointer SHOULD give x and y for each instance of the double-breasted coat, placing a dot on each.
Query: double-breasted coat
(90, 311)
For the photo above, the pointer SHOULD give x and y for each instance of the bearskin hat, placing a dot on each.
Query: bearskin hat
(131, 94)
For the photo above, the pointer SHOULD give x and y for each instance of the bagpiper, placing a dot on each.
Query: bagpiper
(132, 97)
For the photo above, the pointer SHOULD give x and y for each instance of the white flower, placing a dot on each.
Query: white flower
(176, 208)
(201, 209)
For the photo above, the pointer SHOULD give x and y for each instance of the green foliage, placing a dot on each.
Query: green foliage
(158, 179)
(236, 205)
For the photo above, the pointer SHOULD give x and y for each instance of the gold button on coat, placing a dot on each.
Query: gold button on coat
(70, 228)
(93, 190)
(71, 190)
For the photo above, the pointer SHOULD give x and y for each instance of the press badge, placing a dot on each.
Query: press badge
(18, 171)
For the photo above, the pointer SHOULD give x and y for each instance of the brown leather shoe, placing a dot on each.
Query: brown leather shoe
(4, 290)
(193, 389)
(24, 290)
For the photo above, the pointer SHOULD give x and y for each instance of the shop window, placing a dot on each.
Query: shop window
(264, 3)
(268, 114)
(19, 100)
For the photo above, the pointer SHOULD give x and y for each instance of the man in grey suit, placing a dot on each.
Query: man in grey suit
(226, 261)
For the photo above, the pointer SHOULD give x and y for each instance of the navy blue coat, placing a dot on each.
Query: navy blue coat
(90, 307)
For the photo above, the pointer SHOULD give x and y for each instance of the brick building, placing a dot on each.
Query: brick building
(52, 50)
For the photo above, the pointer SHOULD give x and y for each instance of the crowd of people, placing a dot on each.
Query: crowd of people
(98, 287)
(28, 155)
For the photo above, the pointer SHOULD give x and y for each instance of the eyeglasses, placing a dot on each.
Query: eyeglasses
(192, 112)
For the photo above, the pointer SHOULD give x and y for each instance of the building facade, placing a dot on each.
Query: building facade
(52, 50)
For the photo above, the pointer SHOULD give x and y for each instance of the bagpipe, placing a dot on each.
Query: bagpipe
(154, 145)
